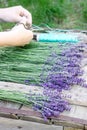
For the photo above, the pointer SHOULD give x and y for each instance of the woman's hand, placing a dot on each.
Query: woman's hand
(16, 14)
(18, 36)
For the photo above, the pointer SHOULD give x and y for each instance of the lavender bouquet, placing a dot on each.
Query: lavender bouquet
(60, 72)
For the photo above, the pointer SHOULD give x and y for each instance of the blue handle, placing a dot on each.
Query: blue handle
(53, 37)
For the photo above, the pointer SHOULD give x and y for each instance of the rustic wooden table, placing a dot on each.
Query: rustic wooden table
(75, 119)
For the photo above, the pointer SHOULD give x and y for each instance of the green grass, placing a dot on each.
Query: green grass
(56, 13)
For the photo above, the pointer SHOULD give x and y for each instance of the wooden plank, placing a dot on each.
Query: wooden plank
(69, 122)
(77, 113)
(76, 118)
(7, 104)
(36, 117)
(12, 124)
(20, 87)
(28, 115)
(31, 115)
(76, 95)
(85, 128)
(70, 128)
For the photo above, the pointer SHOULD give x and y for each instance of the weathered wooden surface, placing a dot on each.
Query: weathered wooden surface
(75, 118)
(70, 128)
(12, 124)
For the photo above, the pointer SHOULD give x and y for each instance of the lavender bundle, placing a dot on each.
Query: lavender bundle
(60, 72)
(64, 72)
(47, 106)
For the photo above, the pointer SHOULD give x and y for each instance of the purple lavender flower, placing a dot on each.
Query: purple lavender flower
(52, 108)
(60, 72)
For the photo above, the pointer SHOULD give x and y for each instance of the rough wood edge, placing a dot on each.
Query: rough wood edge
(36, 117)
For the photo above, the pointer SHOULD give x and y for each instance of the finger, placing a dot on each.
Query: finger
(23, 20)
(28, 16)
(29, 22)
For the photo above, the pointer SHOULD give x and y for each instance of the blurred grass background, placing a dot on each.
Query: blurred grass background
(18, 64)
(55, 13)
